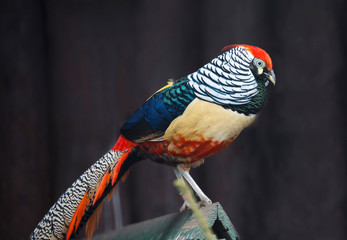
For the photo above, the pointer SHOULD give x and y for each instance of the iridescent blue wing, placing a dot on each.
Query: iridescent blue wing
(152, 118)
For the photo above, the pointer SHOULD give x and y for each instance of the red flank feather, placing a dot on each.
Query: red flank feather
(123, 144)
(194, 150)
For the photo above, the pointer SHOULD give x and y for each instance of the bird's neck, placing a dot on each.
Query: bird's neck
(254, 106)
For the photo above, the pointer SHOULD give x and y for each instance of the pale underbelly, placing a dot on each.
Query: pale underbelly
(201, 131)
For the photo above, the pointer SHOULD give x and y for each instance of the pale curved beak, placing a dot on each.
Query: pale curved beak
(271, 76)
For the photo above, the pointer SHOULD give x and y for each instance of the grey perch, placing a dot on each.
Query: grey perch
(178, 226)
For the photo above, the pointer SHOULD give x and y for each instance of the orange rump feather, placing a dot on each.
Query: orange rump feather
(103, 184)
(77, 217)
(125, 146)
(93, 221)
(119, 164)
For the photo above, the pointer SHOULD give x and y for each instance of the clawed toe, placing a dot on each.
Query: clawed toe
(202, 203)
(185, 206)
(205, 202)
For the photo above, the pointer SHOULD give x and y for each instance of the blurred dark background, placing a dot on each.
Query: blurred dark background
(71, 72)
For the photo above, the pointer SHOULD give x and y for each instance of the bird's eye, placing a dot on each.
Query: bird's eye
(259, 63)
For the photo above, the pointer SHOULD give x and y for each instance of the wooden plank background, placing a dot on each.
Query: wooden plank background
(71, 72)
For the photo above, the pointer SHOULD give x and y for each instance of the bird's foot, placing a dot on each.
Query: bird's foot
(185, 206)
(204, 202)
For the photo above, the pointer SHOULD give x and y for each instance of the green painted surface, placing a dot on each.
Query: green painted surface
(180, 226)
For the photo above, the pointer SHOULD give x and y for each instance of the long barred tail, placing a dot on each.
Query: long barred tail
(84, 198)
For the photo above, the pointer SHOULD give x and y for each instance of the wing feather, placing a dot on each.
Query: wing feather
(150, 121)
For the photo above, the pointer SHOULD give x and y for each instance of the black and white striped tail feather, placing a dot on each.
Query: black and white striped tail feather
(56, 222)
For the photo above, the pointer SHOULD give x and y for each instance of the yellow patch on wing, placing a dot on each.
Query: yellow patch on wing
(170, 82)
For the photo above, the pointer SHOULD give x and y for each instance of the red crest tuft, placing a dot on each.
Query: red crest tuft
(257, 52)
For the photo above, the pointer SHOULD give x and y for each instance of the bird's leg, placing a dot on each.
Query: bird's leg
(204, 200)
(186, 203)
